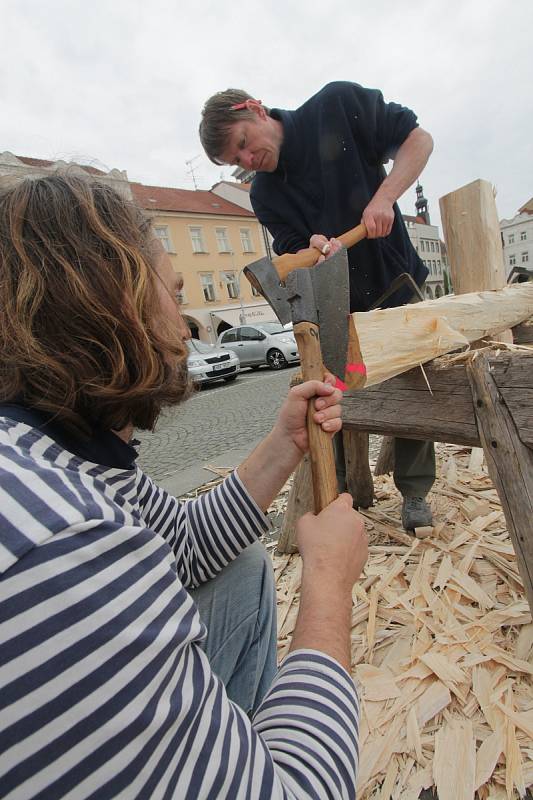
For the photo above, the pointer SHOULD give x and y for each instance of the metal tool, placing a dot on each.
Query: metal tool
(317, 300)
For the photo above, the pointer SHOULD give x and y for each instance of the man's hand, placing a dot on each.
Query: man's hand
(291, 425)
(378, 217)
(334, 543)
(327, 247)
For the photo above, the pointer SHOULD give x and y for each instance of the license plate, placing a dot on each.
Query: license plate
(216, 367)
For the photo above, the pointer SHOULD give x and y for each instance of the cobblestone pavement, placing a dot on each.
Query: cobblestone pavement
(220, 418)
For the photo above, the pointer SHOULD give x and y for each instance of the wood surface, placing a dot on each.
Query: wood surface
(359, 481)
(320, 443)
(404, 406)
(509, 461)
(394, 340)
(299, 502)
(385, 460)
(473, 241)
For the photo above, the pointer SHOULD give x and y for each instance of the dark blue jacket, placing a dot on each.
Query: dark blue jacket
(330, 166)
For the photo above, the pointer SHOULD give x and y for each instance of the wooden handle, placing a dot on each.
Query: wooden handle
(320, 444)
(308, 258)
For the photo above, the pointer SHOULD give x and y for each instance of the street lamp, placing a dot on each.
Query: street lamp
(242, 315)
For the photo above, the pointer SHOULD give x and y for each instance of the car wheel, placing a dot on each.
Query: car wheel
(276, 359)
(230, 378)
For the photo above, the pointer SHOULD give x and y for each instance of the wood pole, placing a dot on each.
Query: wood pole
(510, 464)
(300, 501)
(385, 462)
(359, 481)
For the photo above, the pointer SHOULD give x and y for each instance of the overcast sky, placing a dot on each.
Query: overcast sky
(120, 83)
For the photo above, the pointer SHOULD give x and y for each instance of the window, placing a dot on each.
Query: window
(208, 286)
(432, 247)
(232, 287)
(230, 336)
(512, 261)
(222, 240)
(422, 245)
(197, 240)
(437, 247)
(523, 236)
(246, 240)
(511, 238)
(161, 231)
(181, 297)
(250, 334)
(525, 258)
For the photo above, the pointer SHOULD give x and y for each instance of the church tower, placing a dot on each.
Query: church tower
(421, 204)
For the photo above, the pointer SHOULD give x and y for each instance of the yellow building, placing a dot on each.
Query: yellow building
(209, 240)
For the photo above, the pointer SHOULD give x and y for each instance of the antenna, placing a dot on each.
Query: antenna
(192, 169)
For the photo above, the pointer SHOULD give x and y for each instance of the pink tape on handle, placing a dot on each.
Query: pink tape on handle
(360, 368)
(340, 384)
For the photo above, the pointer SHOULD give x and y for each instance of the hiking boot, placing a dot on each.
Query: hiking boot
(415, 513)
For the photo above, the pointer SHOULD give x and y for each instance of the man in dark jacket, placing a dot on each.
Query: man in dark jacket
(318, 172)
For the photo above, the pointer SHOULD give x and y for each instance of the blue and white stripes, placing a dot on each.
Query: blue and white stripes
(105, 691)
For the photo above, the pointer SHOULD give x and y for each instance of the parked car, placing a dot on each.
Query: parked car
(265, 343)
(207, 363)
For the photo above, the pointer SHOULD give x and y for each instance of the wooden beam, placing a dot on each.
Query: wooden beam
(510, 464)
(473, 240)
(394, 340)
(403, 406)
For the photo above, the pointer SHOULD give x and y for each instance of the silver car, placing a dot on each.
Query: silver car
(265, 343)
(207, 363)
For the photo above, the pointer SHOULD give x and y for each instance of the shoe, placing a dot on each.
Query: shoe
(415, 513)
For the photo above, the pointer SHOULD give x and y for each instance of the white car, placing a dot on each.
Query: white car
(265, 343)
(207, 363)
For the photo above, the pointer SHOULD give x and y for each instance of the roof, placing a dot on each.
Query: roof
(417, 219)
(40, 162)
(235, 185)
(527, 208)
(195, 201)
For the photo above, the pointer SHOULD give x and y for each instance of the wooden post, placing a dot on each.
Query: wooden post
(359, 481)
(510, 464)
(385, 462)
(473, 239)
(299, 503)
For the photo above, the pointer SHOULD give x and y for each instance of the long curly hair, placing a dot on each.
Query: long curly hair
(81, 333)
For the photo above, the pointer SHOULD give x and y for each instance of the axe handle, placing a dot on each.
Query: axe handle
(321, 454)
(307, 258)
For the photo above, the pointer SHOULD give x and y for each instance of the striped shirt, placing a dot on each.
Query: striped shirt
(105, 691)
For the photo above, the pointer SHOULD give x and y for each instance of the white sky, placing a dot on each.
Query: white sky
(120, 83)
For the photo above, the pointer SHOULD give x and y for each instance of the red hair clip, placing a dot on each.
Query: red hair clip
(240, 106)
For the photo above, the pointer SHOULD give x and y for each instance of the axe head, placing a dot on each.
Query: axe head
(263, 275)
(319, 294)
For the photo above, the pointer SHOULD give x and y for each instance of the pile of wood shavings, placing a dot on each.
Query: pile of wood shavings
(442, 645)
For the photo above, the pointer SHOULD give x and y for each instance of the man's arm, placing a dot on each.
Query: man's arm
(410, 160)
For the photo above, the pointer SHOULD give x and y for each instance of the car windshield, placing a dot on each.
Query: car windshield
(272, 327)
(196, 346)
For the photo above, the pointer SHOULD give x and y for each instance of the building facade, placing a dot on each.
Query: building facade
(517, 240)
(209, 240)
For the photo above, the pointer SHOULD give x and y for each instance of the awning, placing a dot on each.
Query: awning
(247, 316)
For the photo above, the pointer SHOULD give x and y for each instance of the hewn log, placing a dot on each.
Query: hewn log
(359, 481)
(510, 464)
(394, 340)
(403, 406)
(523, 333)
(473, 240)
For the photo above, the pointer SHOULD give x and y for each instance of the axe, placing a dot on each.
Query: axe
(317, 301)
